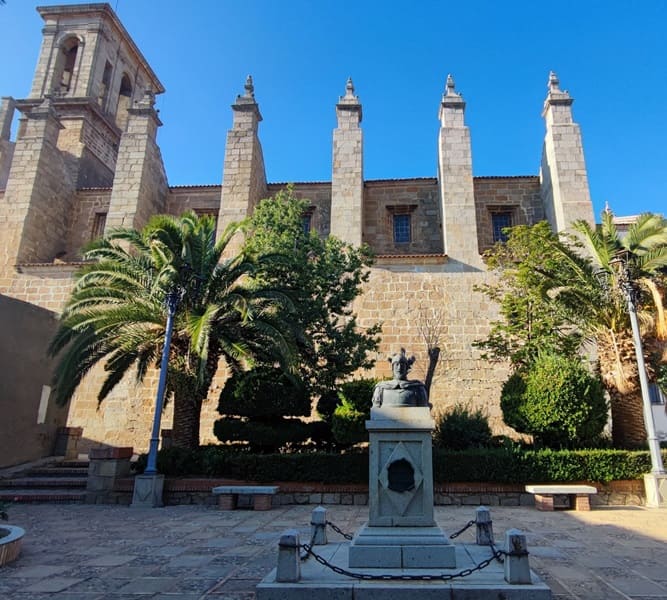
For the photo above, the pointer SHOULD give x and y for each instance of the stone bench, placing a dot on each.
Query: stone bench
(578, 496)
(261, 495)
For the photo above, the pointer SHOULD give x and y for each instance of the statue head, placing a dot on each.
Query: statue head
(401, 364)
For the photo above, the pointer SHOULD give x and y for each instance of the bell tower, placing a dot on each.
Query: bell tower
(90, 78)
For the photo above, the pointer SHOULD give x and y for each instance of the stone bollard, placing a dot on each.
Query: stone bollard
(484, 526)
(289, 561)
(517, 569)
(318, 526)
(106, 465)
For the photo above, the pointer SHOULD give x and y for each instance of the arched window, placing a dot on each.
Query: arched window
(124, 101)
(65, 63)
(106, 84)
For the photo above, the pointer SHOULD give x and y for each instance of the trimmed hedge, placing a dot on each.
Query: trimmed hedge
(497, 465)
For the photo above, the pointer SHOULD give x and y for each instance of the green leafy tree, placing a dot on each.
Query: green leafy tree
(557, 401)
(323, 276)
(557, 293)
(530, 320)
(116, 314)
(593, 295)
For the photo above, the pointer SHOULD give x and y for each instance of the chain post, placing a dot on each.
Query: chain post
(289, 561)
(517, 569)
(318, 526)
(484, 526)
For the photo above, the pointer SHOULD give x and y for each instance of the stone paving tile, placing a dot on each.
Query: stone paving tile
(189, 560)
(53, 584)
(110, 560)
(36, 571)
(153, 585)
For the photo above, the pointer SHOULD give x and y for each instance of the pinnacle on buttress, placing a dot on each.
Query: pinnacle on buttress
(349, 88)
(249, 87)
(451, 98)
(450, 89)
(556, 96)
(349, 98)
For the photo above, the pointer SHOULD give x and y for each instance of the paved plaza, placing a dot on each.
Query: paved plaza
(83, 552)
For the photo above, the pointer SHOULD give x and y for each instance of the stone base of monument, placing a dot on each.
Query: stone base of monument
(401, 547)
(316, 580)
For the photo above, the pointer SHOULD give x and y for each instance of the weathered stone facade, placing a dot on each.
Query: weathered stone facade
(86, 159)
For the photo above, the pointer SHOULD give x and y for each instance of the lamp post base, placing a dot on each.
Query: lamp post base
(148, 491)
(655, 485)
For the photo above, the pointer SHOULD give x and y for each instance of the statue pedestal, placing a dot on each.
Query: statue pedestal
(401, 531)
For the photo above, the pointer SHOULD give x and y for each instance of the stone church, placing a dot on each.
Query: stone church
(86, 158)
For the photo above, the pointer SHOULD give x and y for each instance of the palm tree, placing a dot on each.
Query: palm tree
(592, 289)
(116, 314)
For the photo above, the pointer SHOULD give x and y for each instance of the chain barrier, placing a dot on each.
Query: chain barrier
(386, 577)
(497, 555)
(304, 556)
(347, 536)
(460, 531)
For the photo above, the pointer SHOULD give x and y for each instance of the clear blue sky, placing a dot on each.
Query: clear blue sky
(610, 55)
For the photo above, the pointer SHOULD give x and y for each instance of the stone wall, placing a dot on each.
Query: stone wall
(30, 433)
(415, 197)
(202, 199)
(519, 196)
(45, 285)
(319, 196)
(89, 212)
(403, 298)
(198, 491)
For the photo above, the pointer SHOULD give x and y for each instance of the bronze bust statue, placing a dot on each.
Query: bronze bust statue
(400, 391)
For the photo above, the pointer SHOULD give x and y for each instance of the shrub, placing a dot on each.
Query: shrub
(254, 403)
(262, 436)
(326, 405)
(348, 422)
(557, 401)
(495, 465)
(263, 392)
(461, 428)
(348, 425)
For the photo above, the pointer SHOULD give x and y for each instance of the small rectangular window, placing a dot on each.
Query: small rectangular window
(401, 229)
(306, 223)
(99, 222)
(499, 221)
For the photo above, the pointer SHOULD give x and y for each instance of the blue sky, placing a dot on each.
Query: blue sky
(610, 55)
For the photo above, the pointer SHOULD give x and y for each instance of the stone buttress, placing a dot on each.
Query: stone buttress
(347, 178)
(244, 177)
(457, 194)
(563, 176)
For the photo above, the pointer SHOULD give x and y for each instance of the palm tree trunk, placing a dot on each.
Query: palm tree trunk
(187, 415)
(628, 430)
(618, 368)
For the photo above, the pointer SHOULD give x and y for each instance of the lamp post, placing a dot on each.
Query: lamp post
(148, 487)
(656, 481)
